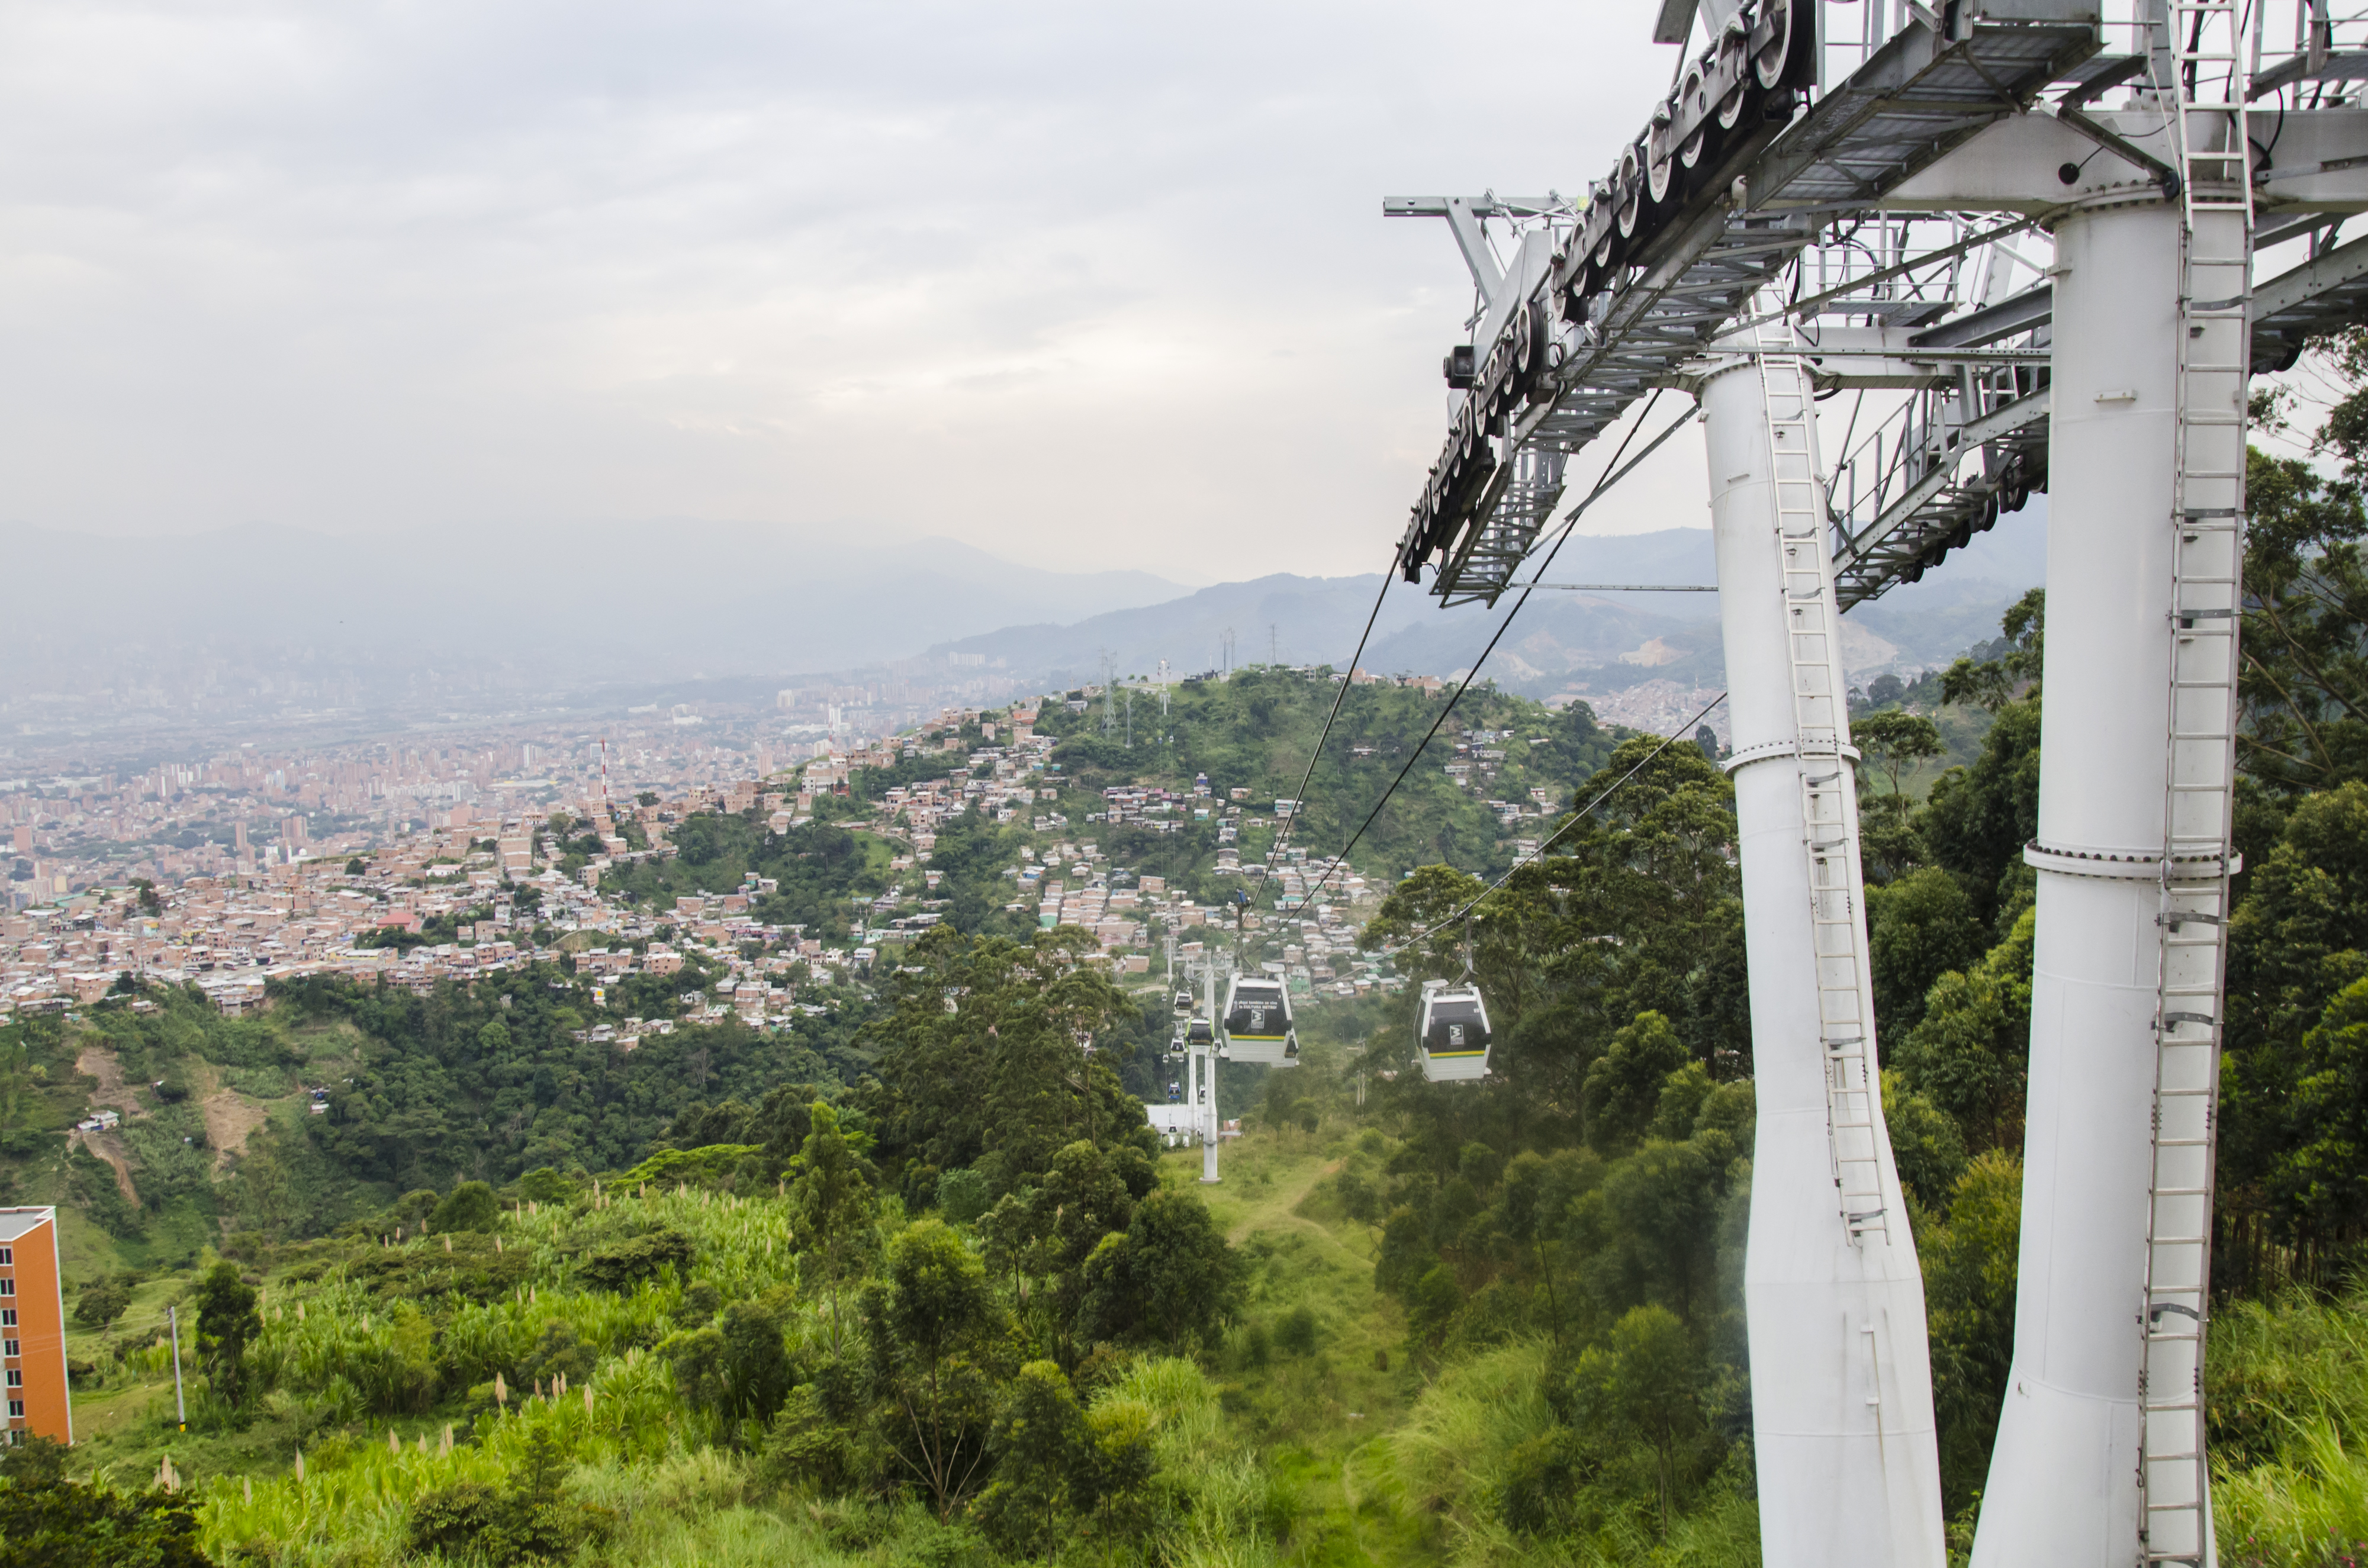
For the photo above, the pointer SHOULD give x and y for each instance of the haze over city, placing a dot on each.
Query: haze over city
(1088, 289)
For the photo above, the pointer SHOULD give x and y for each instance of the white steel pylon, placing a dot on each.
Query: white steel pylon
(2100, 1458)
(1840, 1372)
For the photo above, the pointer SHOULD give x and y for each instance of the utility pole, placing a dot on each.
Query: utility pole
(180, 1404)
(1207, 1097)
(1273, 643)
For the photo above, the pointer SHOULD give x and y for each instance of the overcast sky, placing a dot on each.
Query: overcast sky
(1087, 285)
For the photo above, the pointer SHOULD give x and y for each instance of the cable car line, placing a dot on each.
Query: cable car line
(1539, 854)
(1615, 472)
(1347, 679)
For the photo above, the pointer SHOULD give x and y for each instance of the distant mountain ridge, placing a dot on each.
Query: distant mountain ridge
(281, 615)
(1564, 640)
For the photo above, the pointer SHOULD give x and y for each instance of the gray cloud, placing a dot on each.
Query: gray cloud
(1094, 285)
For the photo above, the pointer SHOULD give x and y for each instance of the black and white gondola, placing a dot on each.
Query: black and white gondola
(1451, 1033)
(1257, 1023)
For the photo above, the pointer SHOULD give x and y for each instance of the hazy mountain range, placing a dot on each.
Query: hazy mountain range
(599, 602)
(1562, 640)
(268, 618)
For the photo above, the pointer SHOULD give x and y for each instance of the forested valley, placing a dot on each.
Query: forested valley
(912, 1282)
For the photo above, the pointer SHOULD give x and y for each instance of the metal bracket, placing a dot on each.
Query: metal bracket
(2123, 147)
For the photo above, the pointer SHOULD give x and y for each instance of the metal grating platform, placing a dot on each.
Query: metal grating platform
(1915, 97)
(1957, 499)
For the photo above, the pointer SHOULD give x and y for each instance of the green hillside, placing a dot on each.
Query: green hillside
(907, 1279)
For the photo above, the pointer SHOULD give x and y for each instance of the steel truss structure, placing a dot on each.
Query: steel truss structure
(1591, 317)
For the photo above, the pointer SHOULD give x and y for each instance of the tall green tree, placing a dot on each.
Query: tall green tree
(227, 1324)
(831, 1201)
(1170, 1279)
(1039, 1433)
(1919, 928)
(1969, 1289)
(1084, 1199)
(2305, 682)
(1623, 1090)
(1970, 1053)
(984, 1062)
(1645, 1383)
(2298, 940)
(943, 1329)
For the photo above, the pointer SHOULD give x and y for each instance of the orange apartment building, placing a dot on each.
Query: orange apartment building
(33, 1326)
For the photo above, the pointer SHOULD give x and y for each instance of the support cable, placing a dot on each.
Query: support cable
(1539, 854)
(1347, 679)
(1615, 472)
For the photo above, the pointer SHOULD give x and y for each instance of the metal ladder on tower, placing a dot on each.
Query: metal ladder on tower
(2211, 143)
(1829, 798)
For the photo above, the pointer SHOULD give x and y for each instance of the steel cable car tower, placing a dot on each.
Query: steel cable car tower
(2023, 289)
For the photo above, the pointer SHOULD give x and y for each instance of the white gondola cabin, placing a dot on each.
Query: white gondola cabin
(1257, 1023)
(1451, 1034)
(1200, 1035)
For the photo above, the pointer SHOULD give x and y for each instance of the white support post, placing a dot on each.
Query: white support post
(2063, 1485)
(1840, 1375)
(1209, 1126)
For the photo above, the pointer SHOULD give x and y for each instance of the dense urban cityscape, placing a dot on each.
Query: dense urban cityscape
(253, 866)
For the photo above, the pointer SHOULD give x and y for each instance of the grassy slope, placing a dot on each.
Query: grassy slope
(1323, 1420)
(1318, 1426)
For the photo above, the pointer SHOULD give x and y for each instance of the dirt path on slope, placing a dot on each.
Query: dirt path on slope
(98, 1062)
(1277, 1210)
(108, 1146)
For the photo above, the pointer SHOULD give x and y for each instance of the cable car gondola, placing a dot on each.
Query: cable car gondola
(1452, 1036)
(1257, 1023)
(1198, 1035)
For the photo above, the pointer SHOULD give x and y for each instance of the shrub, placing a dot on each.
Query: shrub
(531, 1521)
(737, 1366)
(48, 1519)
(961, 1196)
(1168, 1278)
(468, 1207)
(620, 1266)
(102, 1300)
(1295, 1334)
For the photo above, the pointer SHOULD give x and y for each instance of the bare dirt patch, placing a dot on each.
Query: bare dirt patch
(231, 1120)
(98, 1062)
